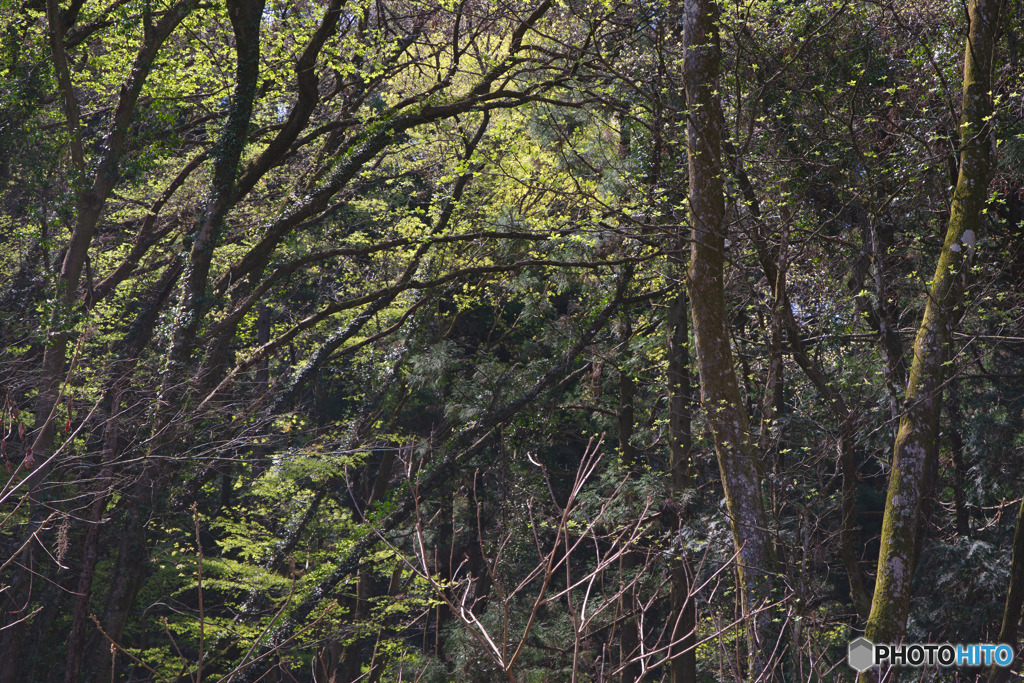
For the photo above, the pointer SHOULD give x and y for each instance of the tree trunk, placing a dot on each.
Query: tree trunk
(845, 418)
(682, 655)
(883, 314)
(1014, 599)
(956, 446)
(629, 641)
(914, 452)
(148, 492)
(351, 659)
(91, 194)
(90, 545)
(720, 393)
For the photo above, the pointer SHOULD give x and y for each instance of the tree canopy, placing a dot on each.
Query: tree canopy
(530, 341)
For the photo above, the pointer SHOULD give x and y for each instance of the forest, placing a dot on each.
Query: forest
(533, 341)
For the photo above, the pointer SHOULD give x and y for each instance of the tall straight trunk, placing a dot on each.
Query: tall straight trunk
(683, 654)
(443, 549)
(720, 393)
(629, 640)
(914, 452)
(769, 443)
(884, 316)
(956, 447)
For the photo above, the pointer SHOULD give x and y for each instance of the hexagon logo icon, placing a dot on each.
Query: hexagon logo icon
(861, 654)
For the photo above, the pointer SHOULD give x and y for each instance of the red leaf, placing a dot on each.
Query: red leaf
(21, 430)
(67, 426)
(29, 460)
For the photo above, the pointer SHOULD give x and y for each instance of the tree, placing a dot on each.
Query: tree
(720, 393)
(915, 452)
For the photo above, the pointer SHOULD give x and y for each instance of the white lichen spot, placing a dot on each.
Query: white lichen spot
(897, 573)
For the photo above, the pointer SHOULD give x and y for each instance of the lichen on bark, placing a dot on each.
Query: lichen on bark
(915, 448)
(720, 393)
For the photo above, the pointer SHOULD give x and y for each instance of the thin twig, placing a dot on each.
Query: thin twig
(114, 646)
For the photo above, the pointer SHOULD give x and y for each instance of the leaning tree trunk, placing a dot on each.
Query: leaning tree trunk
(811, 367)
(720, 393)
(915, 449)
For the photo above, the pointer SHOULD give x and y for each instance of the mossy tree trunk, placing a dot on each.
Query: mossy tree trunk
(720, 392)
(915, 448)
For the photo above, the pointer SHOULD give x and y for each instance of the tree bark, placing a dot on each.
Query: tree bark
(90, 201)
(629, 640)
(1014, 599)
(956, 446)
(245, 16)
(914, 451)
(683, 654)
(91, 195)
(720, 393)
(351, 660)
(133, 346)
